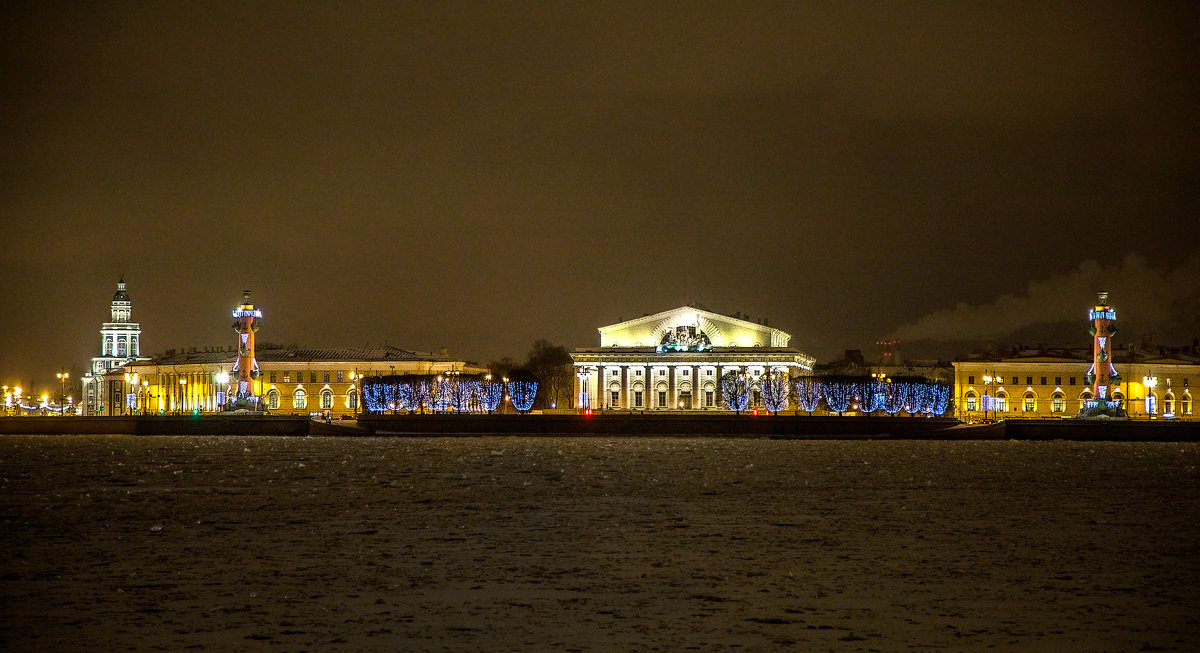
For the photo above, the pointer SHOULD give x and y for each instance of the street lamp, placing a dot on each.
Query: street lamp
(1150, 382)
(222, 380)
(987, 391)
(62, 380)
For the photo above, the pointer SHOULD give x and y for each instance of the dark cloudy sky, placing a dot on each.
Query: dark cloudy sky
(479, 175)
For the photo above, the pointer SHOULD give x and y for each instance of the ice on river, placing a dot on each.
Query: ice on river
(596, 544)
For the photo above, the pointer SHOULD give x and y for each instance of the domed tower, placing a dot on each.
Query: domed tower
(120, 343)
(246, 321)
(1102, 376)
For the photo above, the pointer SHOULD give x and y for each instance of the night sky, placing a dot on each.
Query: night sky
(481, 175)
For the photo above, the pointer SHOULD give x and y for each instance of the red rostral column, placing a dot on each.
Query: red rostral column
(1102, 376)
(246, 322)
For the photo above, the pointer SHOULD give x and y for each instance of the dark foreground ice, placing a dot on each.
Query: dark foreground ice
(235, 543)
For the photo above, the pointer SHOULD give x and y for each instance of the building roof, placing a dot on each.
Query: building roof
(1152, 355)
(384, 353)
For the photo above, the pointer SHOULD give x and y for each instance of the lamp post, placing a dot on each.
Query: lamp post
(1151, 401)
(222, 381)
(62, 381)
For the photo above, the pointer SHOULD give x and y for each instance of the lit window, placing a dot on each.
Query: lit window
(300, 399)
(972, 404)
(1058, 405)
(1030, 402)
(273, 399)
(1169, 403)
(287, 377)
(326, 399)
(1001, 404)
(1185, 404)
(352, 400)
(340, 376)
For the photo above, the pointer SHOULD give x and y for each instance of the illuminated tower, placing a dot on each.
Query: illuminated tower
(1102, 376)
(246, 320)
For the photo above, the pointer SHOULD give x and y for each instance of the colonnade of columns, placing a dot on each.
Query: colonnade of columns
(650, 386)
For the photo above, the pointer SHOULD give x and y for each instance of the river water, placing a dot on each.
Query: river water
(256, 543)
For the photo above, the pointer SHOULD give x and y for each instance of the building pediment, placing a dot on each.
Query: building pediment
(691, 329)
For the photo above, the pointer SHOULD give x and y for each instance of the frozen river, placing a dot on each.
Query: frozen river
(245, 543)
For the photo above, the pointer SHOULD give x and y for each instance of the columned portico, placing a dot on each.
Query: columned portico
(674, 360)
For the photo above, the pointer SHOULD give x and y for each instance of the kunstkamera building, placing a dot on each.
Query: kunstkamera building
(674, 360)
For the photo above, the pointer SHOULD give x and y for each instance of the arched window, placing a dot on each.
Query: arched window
(1057, 404)
(326, 399)
(121, 346)
(300, 398)
(972, 404)
(1029, 403)
(273, 399)
(1001, 402)
(1084, 397)
(1185, 404)
(1169, 403)
(352, 399)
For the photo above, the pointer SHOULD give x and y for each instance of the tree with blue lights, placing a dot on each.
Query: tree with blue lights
(522, 389)
(735, 391)
(839, 393)
(490, 393)
(808, 394)
(775, 388)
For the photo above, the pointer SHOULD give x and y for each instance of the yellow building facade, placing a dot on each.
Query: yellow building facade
(292, 381)
(1049, 384)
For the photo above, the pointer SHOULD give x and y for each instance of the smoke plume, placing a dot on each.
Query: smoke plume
(1163, 302)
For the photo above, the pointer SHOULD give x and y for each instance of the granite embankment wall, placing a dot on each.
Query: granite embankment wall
(778, 426)
(637, 424)
(158, 425)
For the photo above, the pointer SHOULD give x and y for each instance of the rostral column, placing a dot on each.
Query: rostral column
(246, 322)
(1102, 376)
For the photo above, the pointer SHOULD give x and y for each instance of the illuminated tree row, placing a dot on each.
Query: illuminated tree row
(892, 396)
(453, 392)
